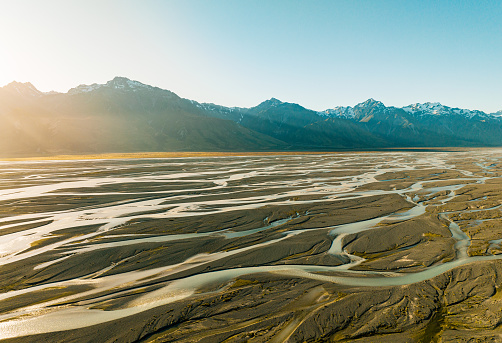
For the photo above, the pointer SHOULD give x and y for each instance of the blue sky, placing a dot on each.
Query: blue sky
(319, 54)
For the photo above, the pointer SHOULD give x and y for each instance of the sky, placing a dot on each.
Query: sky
(320, 54)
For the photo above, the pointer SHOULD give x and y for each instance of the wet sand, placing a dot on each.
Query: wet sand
(357, 247)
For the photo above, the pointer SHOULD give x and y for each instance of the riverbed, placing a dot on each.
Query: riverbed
(171, 248)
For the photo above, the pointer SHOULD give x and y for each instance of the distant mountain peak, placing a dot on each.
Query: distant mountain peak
(428, 107)
(118, 82)
(371, 103)
(25, 88)
(272, 102)
(120, 79)
(436, 109)
(84, 88)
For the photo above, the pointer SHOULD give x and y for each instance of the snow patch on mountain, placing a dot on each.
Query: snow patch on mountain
(350, 112)
(125, 83)
(273, 102)
(121, 83)
(339, 111)
(214, 108)
(370, 103)
(427, 108)
(435, 108)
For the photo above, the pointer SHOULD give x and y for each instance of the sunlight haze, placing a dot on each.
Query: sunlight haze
(238, 53)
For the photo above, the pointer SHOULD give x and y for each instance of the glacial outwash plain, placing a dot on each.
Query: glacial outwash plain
(400, 246)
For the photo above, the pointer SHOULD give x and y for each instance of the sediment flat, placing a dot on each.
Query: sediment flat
(180, 154)
(393, 246)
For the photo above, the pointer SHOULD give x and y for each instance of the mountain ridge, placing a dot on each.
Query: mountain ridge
(124, 115)
(121, 82)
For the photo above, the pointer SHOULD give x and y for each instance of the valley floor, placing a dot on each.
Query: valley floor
(399, 246)
(203, 154)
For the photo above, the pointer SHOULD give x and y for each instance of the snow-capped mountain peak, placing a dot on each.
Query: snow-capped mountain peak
(370, 103)
(436, 108)
(427, 108)
(350, 112)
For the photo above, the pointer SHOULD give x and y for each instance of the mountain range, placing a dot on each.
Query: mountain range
(129, 116)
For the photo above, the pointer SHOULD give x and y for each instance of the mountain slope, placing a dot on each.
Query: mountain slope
(129, 116)
(120, 116)
(301, 128)
(422, 125)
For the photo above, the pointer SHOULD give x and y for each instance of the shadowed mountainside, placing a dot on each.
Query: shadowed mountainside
(121, 116)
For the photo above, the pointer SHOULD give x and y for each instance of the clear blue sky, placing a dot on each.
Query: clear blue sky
(319, 54)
